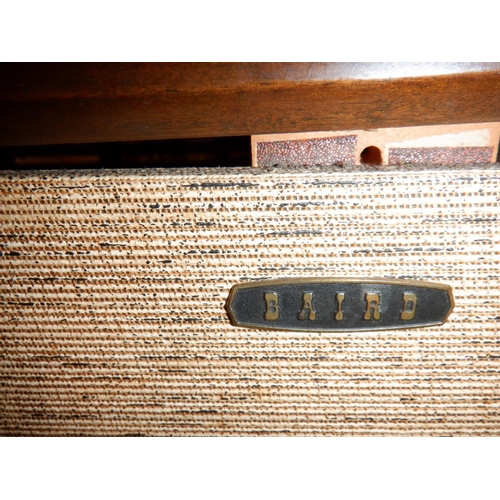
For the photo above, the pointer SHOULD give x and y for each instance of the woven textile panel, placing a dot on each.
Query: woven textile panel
(113, 286)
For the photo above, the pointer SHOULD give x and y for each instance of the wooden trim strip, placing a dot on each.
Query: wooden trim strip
(57, 103)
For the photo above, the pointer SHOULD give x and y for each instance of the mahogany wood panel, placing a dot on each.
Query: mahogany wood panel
(76, 103)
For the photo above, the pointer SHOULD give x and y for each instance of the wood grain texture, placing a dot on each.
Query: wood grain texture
(113, 284)
(77, 103)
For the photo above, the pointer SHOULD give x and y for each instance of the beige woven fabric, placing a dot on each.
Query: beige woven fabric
(113, 286)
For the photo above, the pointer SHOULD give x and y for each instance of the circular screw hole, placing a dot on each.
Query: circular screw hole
(371, 156)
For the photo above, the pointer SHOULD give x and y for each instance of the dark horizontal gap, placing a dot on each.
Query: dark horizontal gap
(209, 152)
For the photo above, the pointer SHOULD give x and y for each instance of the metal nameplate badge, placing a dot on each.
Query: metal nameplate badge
(339, 305)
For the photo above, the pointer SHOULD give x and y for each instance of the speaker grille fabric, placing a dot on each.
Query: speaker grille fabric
(113, 286)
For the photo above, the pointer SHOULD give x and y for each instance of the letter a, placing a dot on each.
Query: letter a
(307, 307)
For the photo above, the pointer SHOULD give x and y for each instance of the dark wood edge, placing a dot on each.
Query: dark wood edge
(81, 103)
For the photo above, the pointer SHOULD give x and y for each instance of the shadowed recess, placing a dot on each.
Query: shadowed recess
(206, 152)
(371, 156)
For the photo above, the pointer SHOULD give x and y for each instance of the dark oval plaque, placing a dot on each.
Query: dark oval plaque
(329, 304)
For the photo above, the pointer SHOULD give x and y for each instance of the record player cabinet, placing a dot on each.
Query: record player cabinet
(113, 282)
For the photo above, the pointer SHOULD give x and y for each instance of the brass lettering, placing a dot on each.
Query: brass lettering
(340, 298)
(272, 309)
(307, 307)
(372, 303)
(409, 306)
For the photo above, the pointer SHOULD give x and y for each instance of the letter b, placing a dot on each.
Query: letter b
(272, 309)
